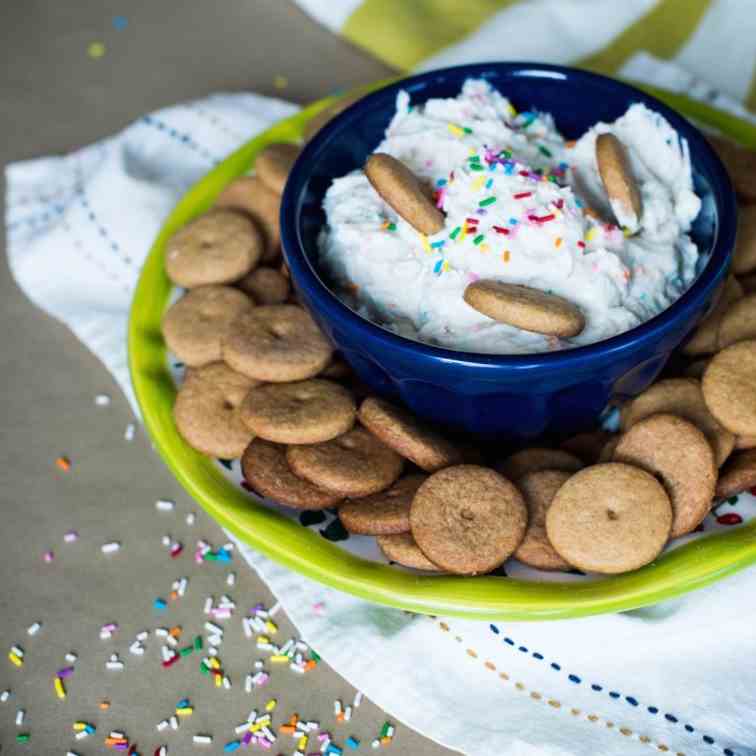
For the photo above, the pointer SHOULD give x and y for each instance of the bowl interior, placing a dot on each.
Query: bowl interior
(576, 99)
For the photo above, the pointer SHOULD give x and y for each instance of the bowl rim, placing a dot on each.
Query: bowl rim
(333, 309)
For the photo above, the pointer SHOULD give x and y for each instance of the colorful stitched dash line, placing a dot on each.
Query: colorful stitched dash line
(614, 694)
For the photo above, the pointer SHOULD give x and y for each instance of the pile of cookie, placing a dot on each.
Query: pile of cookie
(263, 384)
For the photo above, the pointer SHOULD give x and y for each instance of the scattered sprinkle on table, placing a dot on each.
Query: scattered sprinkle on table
(120, 23)
(63, 463)
(96, 50)
(102, 400)
(280, 82)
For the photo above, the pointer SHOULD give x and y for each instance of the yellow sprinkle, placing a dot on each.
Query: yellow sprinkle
(79, 726)
(270, 626)
(424, 241)
(505, 256)
(17, 660)
(255, 727)
(627, 232)
(455, 130)
(512, 111)
(558, 242)
(279, 658)
(218, 681)
(463, 234)
(484, 247)
(96, 50)
(263, 639)
(445, 266)
(271, 704)
(591, 234)
(59, 688)
(472, 151)
(214, 663)
(280, 82)
(185, 711)
(477, 185)
(302, 744)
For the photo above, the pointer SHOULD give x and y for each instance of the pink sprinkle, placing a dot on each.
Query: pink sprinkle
(262, 742)
(542, 218)
(48, 556)
(110, 627)
(429, 164)
(198, 557)
(581, 244)
(319, 608)
(324, 736)
(176, 549)
(65, 672)
(522, 195)
(70, 536)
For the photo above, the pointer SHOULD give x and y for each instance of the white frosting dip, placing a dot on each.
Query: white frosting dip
(515, 197)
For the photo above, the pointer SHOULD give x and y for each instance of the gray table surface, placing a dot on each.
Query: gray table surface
(53, 98)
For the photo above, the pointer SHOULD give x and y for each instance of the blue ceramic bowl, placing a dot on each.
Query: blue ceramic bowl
(517, 396)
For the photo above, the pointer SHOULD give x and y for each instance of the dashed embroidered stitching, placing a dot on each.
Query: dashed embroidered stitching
(616, 695)
(180, 136)
(552, 702)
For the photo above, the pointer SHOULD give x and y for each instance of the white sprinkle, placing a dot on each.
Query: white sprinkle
(71, 753)
(259, 664)
(252, 715)
(191, 518)
(166, 653)
(102, 400)
(128, 434)
(208, 604)
(165, 505)
(115, 666)
(34, 628)
(203, 739)
(337, 707)
(313, 725)
(20, 715)
(248, 684)
(161, 632)
(212, 627)
(228, 546)
(241, 728)
(212, 651)
(117, 734)
(166, 540)
(269, 734)
(182, 586)
(375, 743)
(110, 548)
(357, 699)
(143, 635)
(347, 713)
(174, 722)
(71, 657)
(171, 641)
(81, 735)
(137, 648)
(4, 696)
(226, 682)
(231, 579)
(163, 751)
(162, 725)
(70, 536)
(390, 731)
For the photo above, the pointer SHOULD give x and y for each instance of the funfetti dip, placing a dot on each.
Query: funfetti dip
(521, 206)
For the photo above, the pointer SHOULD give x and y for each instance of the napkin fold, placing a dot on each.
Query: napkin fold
(677, 677)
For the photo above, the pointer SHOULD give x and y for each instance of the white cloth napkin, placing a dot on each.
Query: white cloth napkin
(678, 677)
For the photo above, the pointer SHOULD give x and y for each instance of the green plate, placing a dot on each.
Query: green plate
(493, 598)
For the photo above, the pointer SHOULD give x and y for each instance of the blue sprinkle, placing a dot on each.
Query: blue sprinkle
(494, 629)
(159, 604)
(508, 168)
(352, 742)
(555, 666)
(120, 23)
(441, 182)
(653, 710)
(232, 745)
(437, 267)
(708, 739)
(573, 678)
(438, 244)
(489, 183)
(596, 687)
(614, 694)
(509, 640)
(670, 718)
(690, 728)
(632, 701)
(513, 221)
(184, 702)
(523, 649)
(579, 202)
(728, 752)
(536, 655)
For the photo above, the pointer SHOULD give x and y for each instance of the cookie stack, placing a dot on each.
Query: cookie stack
(263, 384)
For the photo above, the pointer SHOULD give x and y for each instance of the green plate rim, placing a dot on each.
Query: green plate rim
(685, 569)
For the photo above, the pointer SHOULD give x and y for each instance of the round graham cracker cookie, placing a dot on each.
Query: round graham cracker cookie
(705, 338)
(399, 188)
(729, 387)
(207, 419)
(267, 286)
(407, 435)
(539, 489)
(402, 549)
(266, 470)
(384, 513)
(354, 464)
(468, 519)
(745, 442)
(276, 343)
(254, 197)
(525, 308)
(744, 257)
(678, 454)
(681, 397)
(235, 386)
(218, 247)
(738, 323)
(618, 180)
(194, 326)
(274, 163)
(537, 458)
(609, 518)
(739, 474)
(303, 412)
